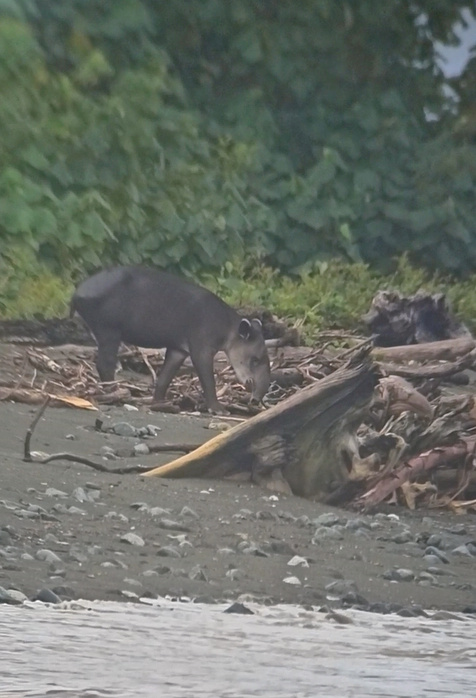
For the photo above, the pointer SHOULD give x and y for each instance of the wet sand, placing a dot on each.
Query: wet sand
(206, 540)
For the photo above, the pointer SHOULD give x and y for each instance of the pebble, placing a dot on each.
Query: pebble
(132, 539)
(435, 552)
(156, 511)
(292, 580)
(130, 408)
(46, 596)
(234, 574)
(340, 618)
(124, 429)
(357, 524)
(52, 492)
(238, 608)
(399, 575)
(8, 596)
(198, 573)
(47, 556)
(328, 519)
(402, 537)
(298, 560)
(108, 453)
(462, 550)
(141, 450)
(187, 511)
(251, 549)
(80, 495)
(341, 586)
(169, 551)
(171, 525)
(70, 437)
(324, 532)
(116, 516)
(153, 429)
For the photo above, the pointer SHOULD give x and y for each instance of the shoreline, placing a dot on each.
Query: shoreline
(79, 533)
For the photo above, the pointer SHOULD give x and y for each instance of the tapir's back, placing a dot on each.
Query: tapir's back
(152, 308)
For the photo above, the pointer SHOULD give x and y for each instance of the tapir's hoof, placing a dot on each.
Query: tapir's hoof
(164, 406)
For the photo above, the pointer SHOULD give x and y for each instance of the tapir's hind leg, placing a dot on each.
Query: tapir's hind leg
(106, 360)
(174, 358)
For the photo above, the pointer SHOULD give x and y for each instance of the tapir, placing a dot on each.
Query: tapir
(154, 309)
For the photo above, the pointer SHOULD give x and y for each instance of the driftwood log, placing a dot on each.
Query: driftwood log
(395, 320)
(305, 445)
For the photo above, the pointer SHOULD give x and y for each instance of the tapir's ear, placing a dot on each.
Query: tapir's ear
(244, 329)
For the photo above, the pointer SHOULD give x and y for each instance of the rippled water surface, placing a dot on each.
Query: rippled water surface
(176, 649)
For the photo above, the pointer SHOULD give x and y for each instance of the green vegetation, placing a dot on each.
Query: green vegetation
(248, 143)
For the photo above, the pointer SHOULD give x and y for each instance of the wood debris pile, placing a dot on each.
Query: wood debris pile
(417, 447)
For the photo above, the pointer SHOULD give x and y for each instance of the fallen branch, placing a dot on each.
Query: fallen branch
(445, 350)
(414, 467)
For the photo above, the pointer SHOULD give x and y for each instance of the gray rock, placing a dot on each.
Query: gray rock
(249, 548)
(431, 560)
(279, 547)
(27, 557)
(235, 574)
(108, 453)
(132, 582)
(431, 550)
(171, 525)
(357, 524)
(162, 569)
(457, 530)
(325, 533)
(462, 550)
(266, 515)
(52, 492)
(6, 596)
(399, 575)
(428, 577)
(435, 541)
(140, 506)
(116, 516)
(46, 596)
(341, 586)
(132, 539)
(76, 510)
(402, 537)
(150, 573)
(77, 556)
(94, 550)
(158, 511)
(169, 551)
(186, 511)
(287, 516)
(124, 429)
(141, 450)
(198, 573)
(17, 595)
(153, 429)
(80, 495)
(303, 521)
(130, 408)
(328, 519)
(47, 556)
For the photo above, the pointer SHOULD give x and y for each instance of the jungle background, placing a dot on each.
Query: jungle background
(295, 155)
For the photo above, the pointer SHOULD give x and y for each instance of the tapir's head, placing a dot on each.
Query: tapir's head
(249, 357)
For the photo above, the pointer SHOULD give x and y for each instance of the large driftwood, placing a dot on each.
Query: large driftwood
(307, 440)
(446, 350)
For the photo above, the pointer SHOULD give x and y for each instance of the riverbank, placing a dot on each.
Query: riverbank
(79, 533)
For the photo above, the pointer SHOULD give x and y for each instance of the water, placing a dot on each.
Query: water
(175, 649)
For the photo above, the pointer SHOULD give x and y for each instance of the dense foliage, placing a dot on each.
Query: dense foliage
(188, 133)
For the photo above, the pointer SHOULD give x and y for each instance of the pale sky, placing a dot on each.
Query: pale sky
(454, 58)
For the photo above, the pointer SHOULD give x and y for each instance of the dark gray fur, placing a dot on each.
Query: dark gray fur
(154, 309)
